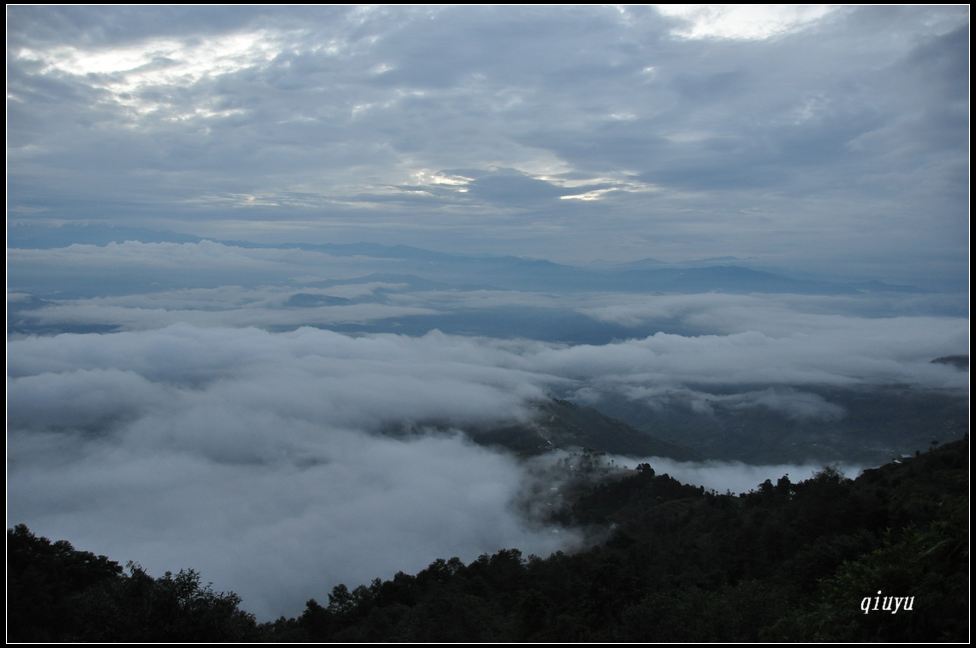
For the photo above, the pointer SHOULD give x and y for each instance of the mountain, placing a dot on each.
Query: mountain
(862, 425)
(719, 274)
(715, 274)
(819, 560)
(960, 362)
(787, 562)
(559, 425)
(311, 300)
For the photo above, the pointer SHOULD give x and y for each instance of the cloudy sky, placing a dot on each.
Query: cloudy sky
(828, 139)
(189, 391)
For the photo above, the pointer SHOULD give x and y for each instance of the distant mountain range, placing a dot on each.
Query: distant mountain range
(873, 424)
(720, 274)
(960, 362)
(877, 424)
(520, 273)
(559, 425)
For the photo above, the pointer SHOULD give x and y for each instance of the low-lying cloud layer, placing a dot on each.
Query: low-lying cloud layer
(251, 456)
(276, 509)
(221, 448)
(135, 266)
(734, 476)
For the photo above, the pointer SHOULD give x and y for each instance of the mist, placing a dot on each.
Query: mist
(221, 447)
(733, 476)
(268, 267)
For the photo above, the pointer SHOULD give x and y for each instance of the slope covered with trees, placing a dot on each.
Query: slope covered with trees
(675, 563)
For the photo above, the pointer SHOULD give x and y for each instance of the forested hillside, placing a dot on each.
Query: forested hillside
(676, 563)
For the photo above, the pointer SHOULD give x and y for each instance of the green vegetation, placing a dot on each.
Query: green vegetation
(874, 424)
(562, 424)
(56, 593)
(785, 562)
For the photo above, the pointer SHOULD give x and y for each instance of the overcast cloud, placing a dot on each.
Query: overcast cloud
(829, 138)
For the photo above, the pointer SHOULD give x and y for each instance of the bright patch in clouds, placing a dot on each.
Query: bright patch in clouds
(426, 177)
(627, 185)
(589, 195)
(158, 63)
(742, 22)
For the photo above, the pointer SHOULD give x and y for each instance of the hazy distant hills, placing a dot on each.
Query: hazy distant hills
(563, 425)
(870, 426)
(518, 273)
(719, 274)
(867, 425)
(960, 362)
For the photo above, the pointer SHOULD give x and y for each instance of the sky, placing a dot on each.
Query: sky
(826, 139)
(213, 322)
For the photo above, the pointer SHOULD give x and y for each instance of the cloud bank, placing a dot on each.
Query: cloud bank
(734, 476)
(217, 447)
(253, 456)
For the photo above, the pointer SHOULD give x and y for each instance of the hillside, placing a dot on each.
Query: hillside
(557, 424)
(785, 562)
(867, 425)
(560, 424)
